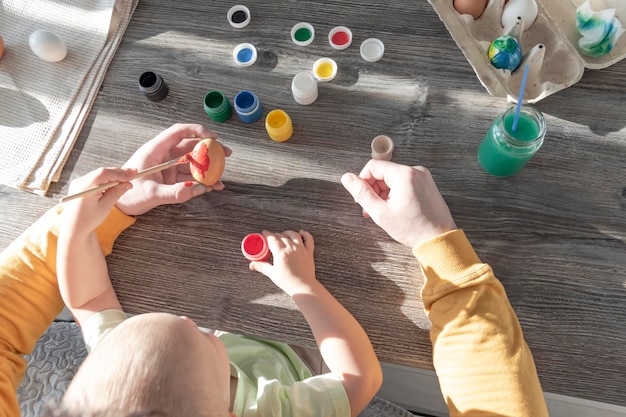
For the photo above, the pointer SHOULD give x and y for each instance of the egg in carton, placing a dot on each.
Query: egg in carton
(550, 45)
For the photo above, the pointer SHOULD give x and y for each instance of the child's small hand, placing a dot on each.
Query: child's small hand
(87, 213)
(293, 266)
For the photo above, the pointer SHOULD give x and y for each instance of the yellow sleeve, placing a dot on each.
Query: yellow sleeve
(482, 361)
(29, 294)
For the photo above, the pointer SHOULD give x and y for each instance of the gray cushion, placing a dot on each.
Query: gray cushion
(51, 367)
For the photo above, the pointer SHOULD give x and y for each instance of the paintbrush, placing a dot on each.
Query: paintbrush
(148, 171)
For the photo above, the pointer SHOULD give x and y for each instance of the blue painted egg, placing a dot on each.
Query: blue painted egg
(505, 53)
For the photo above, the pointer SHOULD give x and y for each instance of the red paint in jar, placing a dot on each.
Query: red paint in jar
(340, 38)
(254, 247)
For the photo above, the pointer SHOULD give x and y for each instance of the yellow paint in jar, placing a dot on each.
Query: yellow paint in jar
(324, 70)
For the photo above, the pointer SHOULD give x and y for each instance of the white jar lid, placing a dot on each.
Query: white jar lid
(238, 16)
(302, 34)
(340, 37)
(245, 54)
(304, 88)
(325, 69)
(372, 49)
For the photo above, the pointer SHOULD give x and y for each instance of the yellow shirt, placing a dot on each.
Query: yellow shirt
(29, 294)
(482, 361)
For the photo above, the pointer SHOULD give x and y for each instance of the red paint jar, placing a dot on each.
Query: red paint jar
(340, 37)
(254, 247)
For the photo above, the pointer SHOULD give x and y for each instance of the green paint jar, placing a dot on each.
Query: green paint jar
(504, 151)
(217, 106)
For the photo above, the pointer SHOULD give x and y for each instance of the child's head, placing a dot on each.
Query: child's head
(152, 365)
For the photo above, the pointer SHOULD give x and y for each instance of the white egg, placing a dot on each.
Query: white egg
(47, 46)
(524, 8)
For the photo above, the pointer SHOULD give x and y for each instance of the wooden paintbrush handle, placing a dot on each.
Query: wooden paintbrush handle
(104, 187)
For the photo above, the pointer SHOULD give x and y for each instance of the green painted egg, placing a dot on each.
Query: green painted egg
(505, 53)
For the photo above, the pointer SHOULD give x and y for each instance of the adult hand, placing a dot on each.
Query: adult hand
(173, 185)
(404, 201)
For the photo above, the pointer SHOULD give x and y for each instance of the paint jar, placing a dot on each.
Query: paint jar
(238, 16)
(254, 247)
(245, 54)
(340, 37)
(372, 49)
(302, 34)
(217, 106)
(504, 151)
(304, 88)
(248, 106)
(382, 148)
(325, 69)
(278, 125)
(152, 86)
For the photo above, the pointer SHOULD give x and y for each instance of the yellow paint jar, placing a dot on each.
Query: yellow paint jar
(278, 125)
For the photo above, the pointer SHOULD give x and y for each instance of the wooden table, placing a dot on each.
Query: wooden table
(555, 234)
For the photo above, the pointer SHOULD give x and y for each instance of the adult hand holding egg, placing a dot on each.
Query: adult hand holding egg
(173, 185)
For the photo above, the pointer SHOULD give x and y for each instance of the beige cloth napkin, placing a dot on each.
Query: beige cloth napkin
(43, 105)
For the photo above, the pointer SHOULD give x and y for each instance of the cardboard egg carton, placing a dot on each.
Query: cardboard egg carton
(549, 46)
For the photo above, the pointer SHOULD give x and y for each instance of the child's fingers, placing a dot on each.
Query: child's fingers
(273, 241)
(307, 239)
(293, 236)
(263, 267)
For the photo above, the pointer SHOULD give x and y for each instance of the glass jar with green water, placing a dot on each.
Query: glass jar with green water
(504, 151)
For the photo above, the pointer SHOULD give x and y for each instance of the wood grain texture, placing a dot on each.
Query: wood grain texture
(555, 234)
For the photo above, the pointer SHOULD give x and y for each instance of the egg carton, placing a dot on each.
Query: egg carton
(549, 46)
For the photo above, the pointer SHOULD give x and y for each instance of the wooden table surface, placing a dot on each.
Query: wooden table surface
(555, 234)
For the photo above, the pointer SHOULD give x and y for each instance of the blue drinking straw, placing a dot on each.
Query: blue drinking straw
(520, 98)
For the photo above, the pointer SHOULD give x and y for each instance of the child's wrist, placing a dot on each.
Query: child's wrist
(309, 288)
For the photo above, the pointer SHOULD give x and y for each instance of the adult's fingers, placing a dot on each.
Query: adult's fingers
(363, 194)
(171, 136)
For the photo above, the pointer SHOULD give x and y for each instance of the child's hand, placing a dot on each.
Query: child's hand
(86, 213)
(293, 266)
(174, 185)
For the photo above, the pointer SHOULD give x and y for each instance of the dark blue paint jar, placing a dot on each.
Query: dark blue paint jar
(248, 106)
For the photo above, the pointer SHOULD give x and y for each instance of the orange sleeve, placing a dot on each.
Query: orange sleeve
(29, 294)
(484, 366)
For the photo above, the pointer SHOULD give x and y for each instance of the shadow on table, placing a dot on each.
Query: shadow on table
(34, 110)
(567, 104)
(186, 259)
